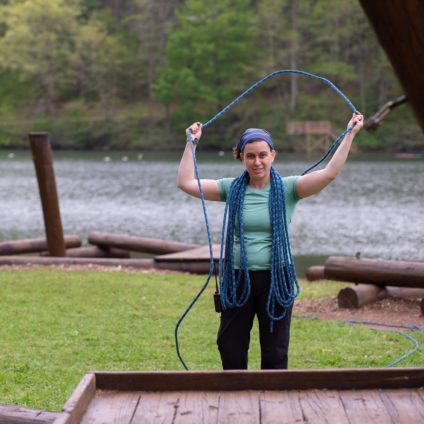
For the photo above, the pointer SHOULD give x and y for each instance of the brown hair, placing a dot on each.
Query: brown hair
(236, 153)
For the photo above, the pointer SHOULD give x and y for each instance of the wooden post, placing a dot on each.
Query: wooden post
(43, 161)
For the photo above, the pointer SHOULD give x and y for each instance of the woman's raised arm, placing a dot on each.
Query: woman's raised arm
(186, 180)
(314, 182)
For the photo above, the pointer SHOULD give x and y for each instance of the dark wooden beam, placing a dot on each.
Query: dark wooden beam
(375, 271)
(43, 162)
(340, 379)
(399, 25)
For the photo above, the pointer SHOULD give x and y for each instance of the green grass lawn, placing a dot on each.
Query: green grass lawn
(58, 325)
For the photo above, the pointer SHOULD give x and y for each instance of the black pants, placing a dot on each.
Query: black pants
(236, 324)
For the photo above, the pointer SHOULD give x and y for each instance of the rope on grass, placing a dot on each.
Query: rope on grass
(413, 340)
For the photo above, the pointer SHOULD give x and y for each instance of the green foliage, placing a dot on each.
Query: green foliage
(207, 57)
(183, 60)
(37, 41)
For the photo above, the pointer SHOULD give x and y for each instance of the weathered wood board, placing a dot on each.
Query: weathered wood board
(289, 396)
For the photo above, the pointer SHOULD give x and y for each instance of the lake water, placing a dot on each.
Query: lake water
(374, 207)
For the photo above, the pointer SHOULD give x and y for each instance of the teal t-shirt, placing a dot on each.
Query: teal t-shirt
(257, 224)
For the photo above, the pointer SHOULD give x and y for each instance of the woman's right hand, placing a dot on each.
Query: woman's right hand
(195, 130)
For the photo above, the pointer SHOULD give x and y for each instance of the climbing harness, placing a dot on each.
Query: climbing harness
(284, 286)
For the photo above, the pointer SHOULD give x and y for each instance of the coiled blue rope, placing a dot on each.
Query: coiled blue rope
(235, 290)
(279, 297)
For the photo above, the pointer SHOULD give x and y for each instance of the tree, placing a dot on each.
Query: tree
(151, 23)
(96, 63)
(38, 40)
(208, 57)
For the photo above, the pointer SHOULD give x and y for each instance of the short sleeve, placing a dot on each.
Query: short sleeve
(290, 184)
(224, 185)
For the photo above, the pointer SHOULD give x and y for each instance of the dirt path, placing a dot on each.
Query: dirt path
(389, 311)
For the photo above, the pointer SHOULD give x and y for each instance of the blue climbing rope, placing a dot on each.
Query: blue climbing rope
(413, 340)
(284, 286)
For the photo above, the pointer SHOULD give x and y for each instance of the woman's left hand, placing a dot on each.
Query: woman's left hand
(357, 122)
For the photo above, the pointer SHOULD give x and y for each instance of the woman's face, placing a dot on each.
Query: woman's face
(257, 158)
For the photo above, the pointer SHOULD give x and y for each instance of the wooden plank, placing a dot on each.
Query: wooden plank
(317, 404)
(112, 407)
(365, 406)
(399, 25)
(157, 408)
(280, 407)
(77, 404)
(355, 378)
(12, 414)
(192, 255)
(303, 406)
(404, 406)
(47, 261)
(239, 408)
(195, 267)
(197, 408)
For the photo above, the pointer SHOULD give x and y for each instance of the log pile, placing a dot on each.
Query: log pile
(374, 279)
(107, 249)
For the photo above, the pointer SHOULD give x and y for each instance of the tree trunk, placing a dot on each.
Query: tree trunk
(294, 58)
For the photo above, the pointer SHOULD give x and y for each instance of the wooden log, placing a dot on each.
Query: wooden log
(315, 273)
(375, 271)
(96, 252)
(138, 244)
(191, 267)
(12, 414)
(405, 292)
(16, 247)
(47, 261)
(360, 295)
(43, 161)
(399, 25)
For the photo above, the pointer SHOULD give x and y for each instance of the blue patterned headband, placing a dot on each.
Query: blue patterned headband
(254, 134)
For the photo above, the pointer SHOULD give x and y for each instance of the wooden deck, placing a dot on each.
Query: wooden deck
(193, 260)
(298, 396)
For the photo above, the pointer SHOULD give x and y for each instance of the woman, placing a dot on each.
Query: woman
(253, 256)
